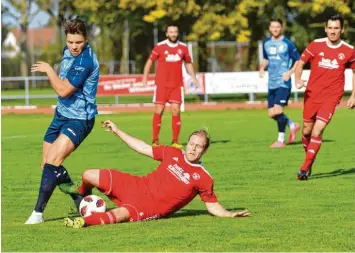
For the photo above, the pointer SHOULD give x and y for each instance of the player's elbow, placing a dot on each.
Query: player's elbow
(65, 93)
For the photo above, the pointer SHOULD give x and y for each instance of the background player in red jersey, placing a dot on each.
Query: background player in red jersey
(176, 181)
(328, 57)
(170, 55)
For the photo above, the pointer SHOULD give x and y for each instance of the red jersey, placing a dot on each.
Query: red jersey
(170, 57)
(328, 63)
(176, 181)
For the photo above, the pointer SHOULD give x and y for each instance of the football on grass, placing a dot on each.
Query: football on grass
(91, 204)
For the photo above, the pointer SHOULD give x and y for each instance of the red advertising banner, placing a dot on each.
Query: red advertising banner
(131, 85)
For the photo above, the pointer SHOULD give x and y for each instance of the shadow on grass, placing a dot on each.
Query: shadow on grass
(334, 173)
(193, 212)
(212, 142)
(300, 142)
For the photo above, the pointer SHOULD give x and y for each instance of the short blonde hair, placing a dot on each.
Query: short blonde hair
(204, 133)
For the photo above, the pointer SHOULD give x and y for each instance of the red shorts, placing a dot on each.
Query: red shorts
(173, 95)
(127, 191)
(318, 111)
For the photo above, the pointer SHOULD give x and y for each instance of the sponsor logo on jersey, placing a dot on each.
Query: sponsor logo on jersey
(172, 57)
(272, 50)
(196, 176)
(328, 63)
(79, 68)
(178, 172)
(341, 56)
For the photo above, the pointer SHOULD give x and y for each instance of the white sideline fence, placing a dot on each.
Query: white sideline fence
(214, 83)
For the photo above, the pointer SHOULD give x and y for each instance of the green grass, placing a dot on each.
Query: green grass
(110, 99)
(288, 215)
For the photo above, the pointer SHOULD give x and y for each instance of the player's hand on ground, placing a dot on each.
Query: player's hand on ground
(244, 213)
(286, 76)
(351, 102)
(109, 126)
(40, 66)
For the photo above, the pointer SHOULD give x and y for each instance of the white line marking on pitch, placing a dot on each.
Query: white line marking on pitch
(14, 137)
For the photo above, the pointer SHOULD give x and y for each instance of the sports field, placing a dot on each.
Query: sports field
(288, 215)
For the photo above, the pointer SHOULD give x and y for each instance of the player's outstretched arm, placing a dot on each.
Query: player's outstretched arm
(146, 71)
(351, 101)
(218, 210)
(298, 74)
(62, 87)
(134, 143)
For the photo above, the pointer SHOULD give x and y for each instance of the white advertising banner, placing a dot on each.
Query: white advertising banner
(250, 82)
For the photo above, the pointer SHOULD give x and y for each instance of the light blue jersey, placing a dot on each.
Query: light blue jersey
(281, 55)
(82, 72)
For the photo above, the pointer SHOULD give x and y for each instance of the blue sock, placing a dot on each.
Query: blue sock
(48, 184)
(289, 121)
(281, 122)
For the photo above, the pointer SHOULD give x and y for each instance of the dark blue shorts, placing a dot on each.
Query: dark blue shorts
(278, 96)
(75, 129)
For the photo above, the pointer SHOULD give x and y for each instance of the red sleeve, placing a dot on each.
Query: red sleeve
(158, 152)
(154, 55)
(206, 192)
(352, 60)
(187, 57)
(309, 52)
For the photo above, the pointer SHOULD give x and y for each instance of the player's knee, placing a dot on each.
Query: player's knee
(306, 131)
(54, 159)
(90, 176)
(278, 110)
(175, 111)
(122, 214)
(317, 132)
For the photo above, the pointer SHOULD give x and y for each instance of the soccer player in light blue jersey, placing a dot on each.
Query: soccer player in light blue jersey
(281, 57)
(75, 113)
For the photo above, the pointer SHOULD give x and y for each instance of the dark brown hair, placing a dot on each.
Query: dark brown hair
(336, 17)
(75, 26)
(279, 20)
(204, 133)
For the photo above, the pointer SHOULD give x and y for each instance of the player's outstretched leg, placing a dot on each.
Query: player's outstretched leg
(113, 216)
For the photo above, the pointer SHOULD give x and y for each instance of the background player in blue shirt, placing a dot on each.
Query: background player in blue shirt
(280, 54)
(75, 113)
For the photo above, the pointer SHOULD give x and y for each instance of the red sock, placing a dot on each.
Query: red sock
(85, 188)
(176, 126)
(312, 151)
(305, 142)
(100, 219)
(156, 126)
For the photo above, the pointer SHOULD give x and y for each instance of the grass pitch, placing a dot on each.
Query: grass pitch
(288, 215)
